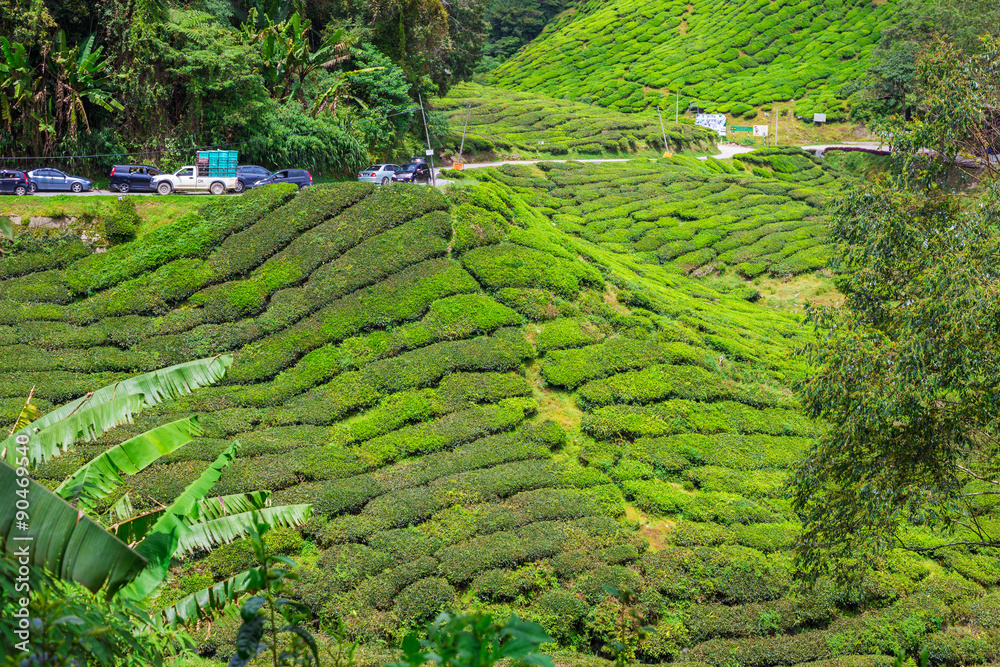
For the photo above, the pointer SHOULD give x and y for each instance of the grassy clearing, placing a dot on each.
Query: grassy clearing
(153, 211)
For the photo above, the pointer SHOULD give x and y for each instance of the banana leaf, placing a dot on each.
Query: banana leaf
(128, 396)
(134, 529)
(162, 539)
(201, 603)
(207, 534)
(101, 476)
(61, 539)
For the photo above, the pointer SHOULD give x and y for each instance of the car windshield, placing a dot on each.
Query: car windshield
(411, 167)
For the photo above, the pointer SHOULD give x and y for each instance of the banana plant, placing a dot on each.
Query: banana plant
(133, 557)
(78, 78)
(288, 55)
(18, 83)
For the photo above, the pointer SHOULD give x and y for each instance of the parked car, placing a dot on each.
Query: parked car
(413, 173)
(379, 173)
(53, 179)
(300, 177)
(126, 177)
(247, 176)
(14, 182)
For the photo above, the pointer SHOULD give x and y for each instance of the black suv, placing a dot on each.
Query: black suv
(14, 182)
(300, 177)
(413, 173)
(126, 177)
(247, 176)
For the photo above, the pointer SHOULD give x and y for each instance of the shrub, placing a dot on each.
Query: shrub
(122, 222)
(561, 614)
(422, 600)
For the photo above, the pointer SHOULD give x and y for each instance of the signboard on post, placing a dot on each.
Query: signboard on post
(819, 117)
(760, 130)
(429, 152)
(713, 121)
(741, 128)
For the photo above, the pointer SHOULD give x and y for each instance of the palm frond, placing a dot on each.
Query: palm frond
(61, 539)
(151, 388)
(208, 534)
(101, 476)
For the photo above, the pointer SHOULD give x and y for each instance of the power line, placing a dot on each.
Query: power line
(407, 110)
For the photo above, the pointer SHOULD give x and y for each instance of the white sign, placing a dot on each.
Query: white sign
(429, 151)
(713, 121)
(819, 117)
(760, 130)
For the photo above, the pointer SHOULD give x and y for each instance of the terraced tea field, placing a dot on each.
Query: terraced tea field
(729, 57)
(505, 122)
(760, 214)
(488, 410)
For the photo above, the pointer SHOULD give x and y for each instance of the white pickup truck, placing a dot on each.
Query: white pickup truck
(188, 179)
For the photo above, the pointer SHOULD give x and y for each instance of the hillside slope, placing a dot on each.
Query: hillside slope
(728, 56)
(504, 121)
(487, 412)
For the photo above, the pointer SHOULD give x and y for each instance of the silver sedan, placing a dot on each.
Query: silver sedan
(378, 173)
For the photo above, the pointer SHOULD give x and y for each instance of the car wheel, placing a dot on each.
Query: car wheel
(217, 188)
(239, 187)
(164, 188)
(76, 187)
(385, 180)
(33, 187)
(20, 190)
(123, 188)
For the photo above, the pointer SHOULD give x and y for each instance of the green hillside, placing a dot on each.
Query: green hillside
(506, 122)
(729, 56)
(489, 411)
(763, 213)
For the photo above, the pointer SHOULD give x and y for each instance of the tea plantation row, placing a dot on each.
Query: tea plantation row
(729, 57)
(485, 411)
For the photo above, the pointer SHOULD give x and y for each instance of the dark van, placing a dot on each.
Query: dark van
(126, 177)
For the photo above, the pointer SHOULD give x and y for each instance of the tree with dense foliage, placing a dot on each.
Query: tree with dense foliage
(890, 77)
(270, 77)
(907, 370)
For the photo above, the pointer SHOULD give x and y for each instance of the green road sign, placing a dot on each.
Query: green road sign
(741, 128)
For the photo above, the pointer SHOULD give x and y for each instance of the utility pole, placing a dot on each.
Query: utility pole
(662, 131)
(776, 112)
(468, 110)
(427, 133)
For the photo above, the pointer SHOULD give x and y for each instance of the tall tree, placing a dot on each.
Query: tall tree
(908, 369)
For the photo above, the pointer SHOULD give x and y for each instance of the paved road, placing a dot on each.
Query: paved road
(725, 151)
